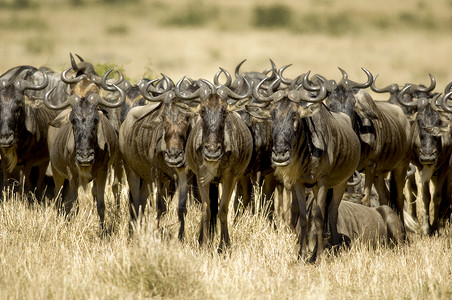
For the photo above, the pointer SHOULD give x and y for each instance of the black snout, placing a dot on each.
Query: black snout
(212, 152)
(281, 156)
(428, 158)
(175, 157)
(84, 157)
(7, 139)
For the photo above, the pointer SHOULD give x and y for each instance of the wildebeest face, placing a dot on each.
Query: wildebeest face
(341, 100)
(176, 125)
(12, 115)
(428, 119)
(285, 126)
(84, 118)
(213, 112)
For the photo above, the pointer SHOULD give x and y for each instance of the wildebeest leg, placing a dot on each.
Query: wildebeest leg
(382, 190)
(117, 182)
(70, 194)
(243, 191)
(205, 211)
(134, 182)
(397, 184)
(409, 191)
(369, 180)
(333, 209)
(299, 196)
(319, 218)
(100, 194)
(436, 196)
(422, 203)
(294, 210)
(228, 184)
(182, 205)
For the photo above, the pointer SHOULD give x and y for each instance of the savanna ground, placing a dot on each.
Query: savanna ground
(43, 255)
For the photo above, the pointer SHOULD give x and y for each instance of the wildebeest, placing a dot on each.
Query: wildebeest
(218, 150)
(372, 225)
(431, 149)
(259, 170)
(384, 134)
(83, 145)
(152, 141)
(24, 123)
(315, 147)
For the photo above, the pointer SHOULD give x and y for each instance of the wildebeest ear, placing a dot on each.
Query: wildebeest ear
(153, 123)
(30, 120)
(58, 122)
(309, 110)
(438, 130)
(101, 138)
(364, 105)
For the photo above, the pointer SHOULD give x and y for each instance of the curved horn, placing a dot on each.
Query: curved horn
(68, 80)
(237, 69)
(305, 95)
(274, 71)
(307, 84)
(357, 180)
(444, 102)
(228, 77)
(73, 63)
(258, 95)
(60, 106)
(23, 85)
(79, 57)
(280, 74)
(236, 96)
(103, 81)
(118, 103)
(144, 88)
(185, 95)
(400, 98)
(210, 85)
(392, 88)
(448, 87)
(354, 84)
(430, 88)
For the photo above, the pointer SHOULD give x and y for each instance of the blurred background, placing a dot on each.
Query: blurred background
(402, 41)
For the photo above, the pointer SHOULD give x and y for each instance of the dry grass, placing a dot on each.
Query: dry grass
(43, 255)
(46, 256)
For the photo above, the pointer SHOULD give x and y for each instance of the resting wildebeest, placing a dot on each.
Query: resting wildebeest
(23, 124)
(431, 149)
(218, 150)
(315, 147)
(373, 225)
(152, 140)
(83, 145)
(384, 133)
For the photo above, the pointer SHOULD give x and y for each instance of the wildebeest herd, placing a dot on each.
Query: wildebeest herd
(305, 141)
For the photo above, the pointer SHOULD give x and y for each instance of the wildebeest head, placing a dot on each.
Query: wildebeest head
(289, 108)
(83, 79)
(213, 109)
(175, 122)
(408, 93)
(430, 126)
(85, 116)
(14, 113)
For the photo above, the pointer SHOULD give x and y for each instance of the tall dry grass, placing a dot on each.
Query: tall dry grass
(45, 256)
